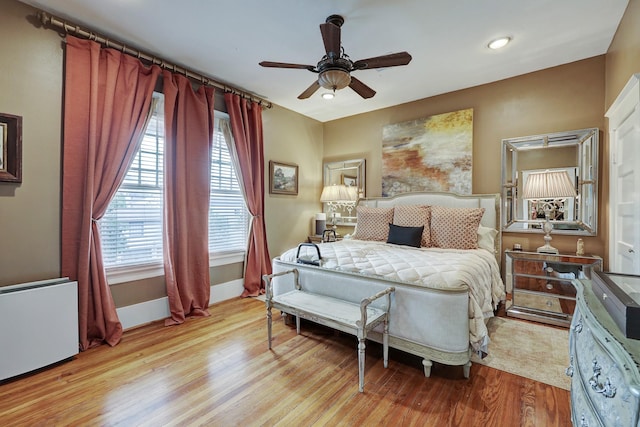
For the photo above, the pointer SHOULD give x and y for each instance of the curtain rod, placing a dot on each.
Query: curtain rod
(49, 20)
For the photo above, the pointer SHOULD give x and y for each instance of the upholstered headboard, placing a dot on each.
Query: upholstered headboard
(490, 203)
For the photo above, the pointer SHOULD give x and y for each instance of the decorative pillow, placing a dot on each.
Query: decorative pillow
(408, 236)
(373, 223)
(414, 216)
(455, 228)
(487, 238)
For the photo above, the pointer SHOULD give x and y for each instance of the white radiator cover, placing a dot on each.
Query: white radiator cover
(38, 325)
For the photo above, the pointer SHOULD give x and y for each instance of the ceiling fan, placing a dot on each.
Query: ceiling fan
(334, 69)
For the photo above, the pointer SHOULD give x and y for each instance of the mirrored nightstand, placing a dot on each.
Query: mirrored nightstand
(540, 284)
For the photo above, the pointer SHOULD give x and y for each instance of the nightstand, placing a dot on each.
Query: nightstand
(540, 284)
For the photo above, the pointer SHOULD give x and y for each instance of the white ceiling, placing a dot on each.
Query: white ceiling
(447, 39)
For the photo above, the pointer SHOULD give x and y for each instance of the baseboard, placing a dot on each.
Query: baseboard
(150, 311)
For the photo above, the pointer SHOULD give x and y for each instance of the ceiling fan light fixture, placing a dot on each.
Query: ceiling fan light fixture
(334, 79)
(328, 95)
(499, 43)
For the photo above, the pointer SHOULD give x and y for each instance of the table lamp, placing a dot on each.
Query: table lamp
(548, 186)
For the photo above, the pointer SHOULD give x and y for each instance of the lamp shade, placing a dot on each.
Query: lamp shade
(548, 185)
(338, 193)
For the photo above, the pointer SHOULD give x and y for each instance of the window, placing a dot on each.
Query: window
(228, 215)
(131, 229)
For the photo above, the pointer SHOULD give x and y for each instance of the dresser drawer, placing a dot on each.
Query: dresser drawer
(582, 413)
(549, 285)
(545, 302)
(600, 376)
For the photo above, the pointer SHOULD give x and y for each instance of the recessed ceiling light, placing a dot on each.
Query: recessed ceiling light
(327, 95)
(498, 43)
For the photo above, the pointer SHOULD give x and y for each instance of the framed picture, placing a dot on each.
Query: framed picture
(349, 181)
(283, 178)
(10, 148)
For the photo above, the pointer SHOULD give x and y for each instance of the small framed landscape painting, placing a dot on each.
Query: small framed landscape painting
(283, 178)
(10, 148)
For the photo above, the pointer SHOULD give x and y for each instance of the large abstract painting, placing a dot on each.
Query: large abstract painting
(429, 154)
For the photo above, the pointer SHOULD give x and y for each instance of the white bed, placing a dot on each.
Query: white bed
(443, 296)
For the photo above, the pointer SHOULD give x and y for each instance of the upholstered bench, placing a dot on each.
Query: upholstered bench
(353, 318)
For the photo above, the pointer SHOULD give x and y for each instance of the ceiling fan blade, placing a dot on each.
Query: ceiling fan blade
(287, 65)
(391, 60)
(331, 38)
(361, 89)
(310, 90)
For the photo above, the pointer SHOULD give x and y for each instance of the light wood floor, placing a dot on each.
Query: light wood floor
(217, 371)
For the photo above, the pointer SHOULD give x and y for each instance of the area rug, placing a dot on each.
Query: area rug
(528, 349)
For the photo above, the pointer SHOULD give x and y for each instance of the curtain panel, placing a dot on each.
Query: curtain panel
(246, 127)
(187, 175)
(107, 101)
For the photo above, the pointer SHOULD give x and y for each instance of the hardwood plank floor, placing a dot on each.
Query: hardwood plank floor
(217, 371)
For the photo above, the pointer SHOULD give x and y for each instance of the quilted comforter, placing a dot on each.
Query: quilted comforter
(475, 269)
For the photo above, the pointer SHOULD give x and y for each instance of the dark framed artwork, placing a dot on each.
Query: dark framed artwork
(10, 148)
(283, 178)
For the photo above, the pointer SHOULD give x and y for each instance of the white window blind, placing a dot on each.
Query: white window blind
(131, 229)
(228, 215)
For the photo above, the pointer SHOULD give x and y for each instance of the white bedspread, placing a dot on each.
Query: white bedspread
(475, 269)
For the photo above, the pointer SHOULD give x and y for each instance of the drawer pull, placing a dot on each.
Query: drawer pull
(606, 389)
(569, 371)
(549, 286)
(577, 327)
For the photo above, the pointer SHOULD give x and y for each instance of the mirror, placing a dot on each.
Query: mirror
(350, 173)
(574, 153)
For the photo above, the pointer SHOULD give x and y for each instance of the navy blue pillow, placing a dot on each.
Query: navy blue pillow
(408, 236)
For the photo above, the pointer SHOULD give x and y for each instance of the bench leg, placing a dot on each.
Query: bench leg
(361, 354)
(298, 325)
(385, 344)
(269, 325)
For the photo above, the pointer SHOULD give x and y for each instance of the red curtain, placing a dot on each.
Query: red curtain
(187, 177)
(246, 126)
(107, 101)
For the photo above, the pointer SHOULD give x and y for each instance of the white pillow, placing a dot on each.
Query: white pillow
(487, 238)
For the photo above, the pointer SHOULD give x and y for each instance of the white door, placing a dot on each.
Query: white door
(624, 181)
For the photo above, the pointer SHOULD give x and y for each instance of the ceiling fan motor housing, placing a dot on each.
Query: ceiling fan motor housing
(334, 73)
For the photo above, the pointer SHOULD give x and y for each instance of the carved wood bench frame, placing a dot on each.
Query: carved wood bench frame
(355, 319)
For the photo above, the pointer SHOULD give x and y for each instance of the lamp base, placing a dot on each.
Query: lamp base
(547, 227)
(548, 249)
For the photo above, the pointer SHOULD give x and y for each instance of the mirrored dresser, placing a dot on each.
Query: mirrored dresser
(604, 371)
(540, 284)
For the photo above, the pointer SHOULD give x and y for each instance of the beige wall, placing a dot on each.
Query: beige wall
(563, 98)
(568, 97)
(623, 60)
(623, 56)
(292, 138)
(31, 87)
